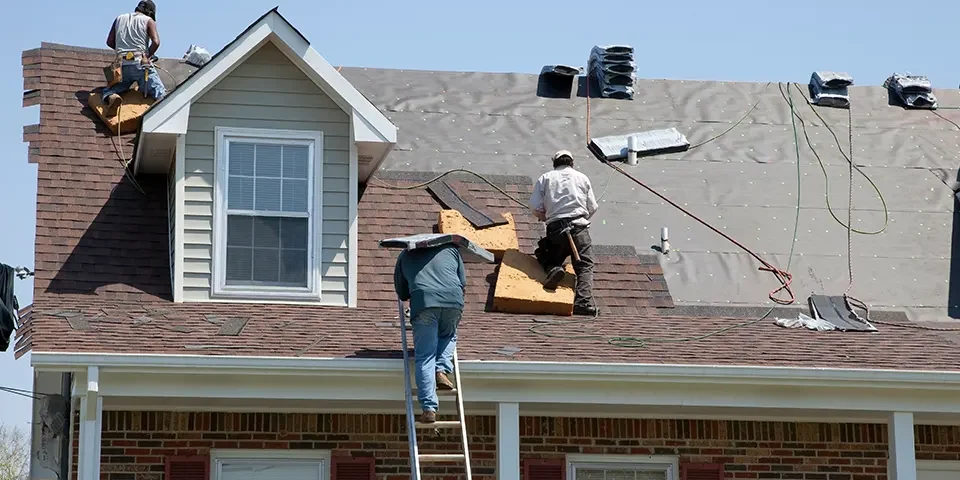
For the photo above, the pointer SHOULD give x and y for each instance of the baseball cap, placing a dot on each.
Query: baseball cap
(561, 154)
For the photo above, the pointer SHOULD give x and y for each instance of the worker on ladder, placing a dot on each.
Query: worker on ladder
(135, 38)
(434, 281)
(563, 199)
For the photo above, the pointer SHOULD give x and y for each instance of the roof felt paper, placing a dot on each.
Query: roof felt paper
(102, 247)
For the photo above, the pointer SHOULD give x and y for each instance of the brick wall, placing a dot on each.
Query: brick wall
(135, 443)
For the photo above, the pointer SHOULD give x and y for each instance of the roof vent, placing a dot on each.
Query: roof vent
(913, 91)
(829, 89)
(651, 142)
(556, 81)
(614, 69)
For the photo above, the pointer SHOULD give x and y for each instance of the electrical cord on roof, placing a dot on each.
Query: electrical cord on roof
(945, 118)
(823, 168)
(23, 393)
(117, 148)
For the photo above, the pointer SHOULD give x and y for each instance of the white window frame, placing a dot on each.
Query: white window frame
(269, 456)
(313, 139)
(667, 463)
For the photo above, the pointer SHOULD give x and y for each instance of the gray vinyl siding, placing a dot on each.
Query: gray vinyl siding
(172, 221)
(266, 91)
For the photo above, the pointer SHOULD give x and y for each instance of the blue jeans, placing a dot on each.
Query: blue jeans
(434, 340)
(133, 73)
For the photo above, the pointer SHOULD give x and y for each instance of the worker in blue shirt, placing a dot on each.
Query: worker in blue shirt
(434, 281)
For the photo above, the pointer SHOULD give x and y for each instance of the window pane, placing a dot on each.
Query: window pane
(651, 475)
(239, 231)
(295, 195)
(240, 193)
(241, 158)
(270, 471)
(266, 265)
(293, 233)
(268, 160)
(592, 474)
(267, 194)
(266, 232)
(619, 473)
(239, 264)
(295, 161)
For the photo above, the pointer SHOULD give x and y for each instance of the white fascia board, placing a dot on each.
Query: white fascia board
(507, 370)
(205, 79)
(331, 82)
(175, 124)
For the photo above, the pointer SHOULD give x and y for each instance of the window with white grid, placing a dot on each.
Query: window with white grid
(269, 213)
(279, 465)
(618, 467)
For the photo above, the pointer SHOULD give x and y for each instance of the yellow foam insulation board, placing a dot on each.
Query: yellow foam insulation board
(520, 289)
(496, 239)
(128, 119)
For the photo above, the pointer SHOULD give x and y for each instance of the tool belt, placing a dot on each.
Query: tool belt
(114, 72)
(562, 225)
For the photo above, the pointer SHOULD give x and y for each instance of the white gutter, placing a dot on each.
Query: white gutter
(505, 370)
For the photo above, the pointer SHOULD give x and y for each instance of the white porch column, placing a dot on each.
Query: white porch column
(508, 441)
(91, 425)
(903, 456)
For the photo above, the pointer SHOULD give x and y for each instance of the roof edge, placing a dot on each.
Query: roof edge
(517, 370)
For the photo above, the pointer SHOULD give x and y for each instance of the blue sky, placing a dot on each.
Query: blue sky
(735, 40)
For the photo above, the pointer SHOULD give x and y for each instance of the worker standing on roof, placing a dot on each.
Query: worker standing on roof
(434, 281)
(563, 199)
(135, 38)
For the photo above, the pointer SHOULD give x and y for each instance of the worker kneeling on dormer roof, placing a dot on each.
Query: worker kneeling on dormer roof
(434, 281)
(563, 199)
(135, 38)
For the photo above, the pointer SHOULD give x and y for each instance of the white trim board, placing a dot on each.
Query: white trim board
(274, 27)
(314, 141)
(713, 374)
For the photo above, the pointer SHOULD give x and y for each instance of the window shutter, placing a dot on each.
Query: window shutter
(187, 468)
(353, 468)
(544, 469)
(701, 471)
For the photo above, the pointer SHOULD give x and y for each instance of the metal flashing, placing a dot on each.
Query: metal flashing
(430, 240)
(651, 142)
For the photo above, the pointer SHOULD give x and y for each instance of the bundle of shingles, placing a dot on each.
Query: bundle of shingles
(614, 70)
(913, 91)
(831, 89)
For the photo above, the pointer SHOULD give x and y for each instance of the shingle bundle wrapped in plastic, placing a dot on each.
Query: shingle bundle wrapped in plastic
(831, 89)
(614, 69)
(915, 91)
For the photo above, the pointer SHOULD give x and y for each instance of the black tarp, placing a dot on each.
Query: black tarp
(8, 306)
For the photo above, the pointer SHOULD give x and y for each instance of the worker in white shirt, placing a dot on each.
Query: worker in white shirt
(563, 199)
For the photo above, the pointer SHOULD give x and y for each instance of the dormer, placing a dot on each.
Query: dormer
(262, 148)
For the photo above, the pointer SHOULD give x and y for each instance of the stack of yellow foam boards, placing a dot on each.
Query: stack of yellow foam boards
(496, 239)
(127, 118)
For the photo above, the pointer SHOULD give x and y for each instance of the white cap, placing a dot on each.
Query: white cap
(562, 153)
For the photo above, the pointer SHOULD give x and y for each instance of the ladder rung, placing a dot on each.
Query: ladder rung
(440, 424)
(441, 457)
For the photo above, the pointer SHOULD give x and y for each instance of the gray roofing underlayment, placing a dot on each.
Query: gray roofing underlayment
(744, 182)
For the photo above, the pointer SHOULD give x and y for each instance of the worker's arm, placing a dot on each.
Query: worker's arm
(112, 36)
(400, 282)
(536, 201)
(592, 205)
(154, 37)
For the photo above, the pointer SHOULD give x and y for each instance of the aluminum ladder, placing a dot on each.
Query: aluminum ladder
(417, 458)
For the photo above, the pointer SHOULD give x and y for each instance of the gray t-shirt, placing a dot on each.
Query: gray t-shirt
(433, 277)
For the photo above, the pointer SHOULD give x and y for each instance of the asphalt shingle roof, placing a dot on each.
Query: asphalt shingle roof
(101, 255)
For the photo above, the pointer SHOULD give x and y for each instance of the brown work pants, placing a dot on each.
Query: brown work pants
(554, 248)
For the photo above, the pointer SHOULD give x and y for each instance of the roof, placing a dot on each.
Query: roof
(102, 251)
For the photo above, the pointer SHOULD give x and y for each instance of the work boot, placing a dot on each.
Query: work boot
(586, 311)
(111, 108)
(554, 276)
(428, 417)
(443, 382)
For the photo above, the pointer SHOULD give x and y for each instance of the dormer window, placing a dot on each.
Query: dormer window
(268, 213)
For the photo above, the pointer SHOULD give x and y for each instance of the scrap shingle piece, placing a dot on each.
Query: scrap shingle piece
(520, 288)
(831, 89)
(496, 240)
(454, 195)
(914, 91)
(232, 326)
